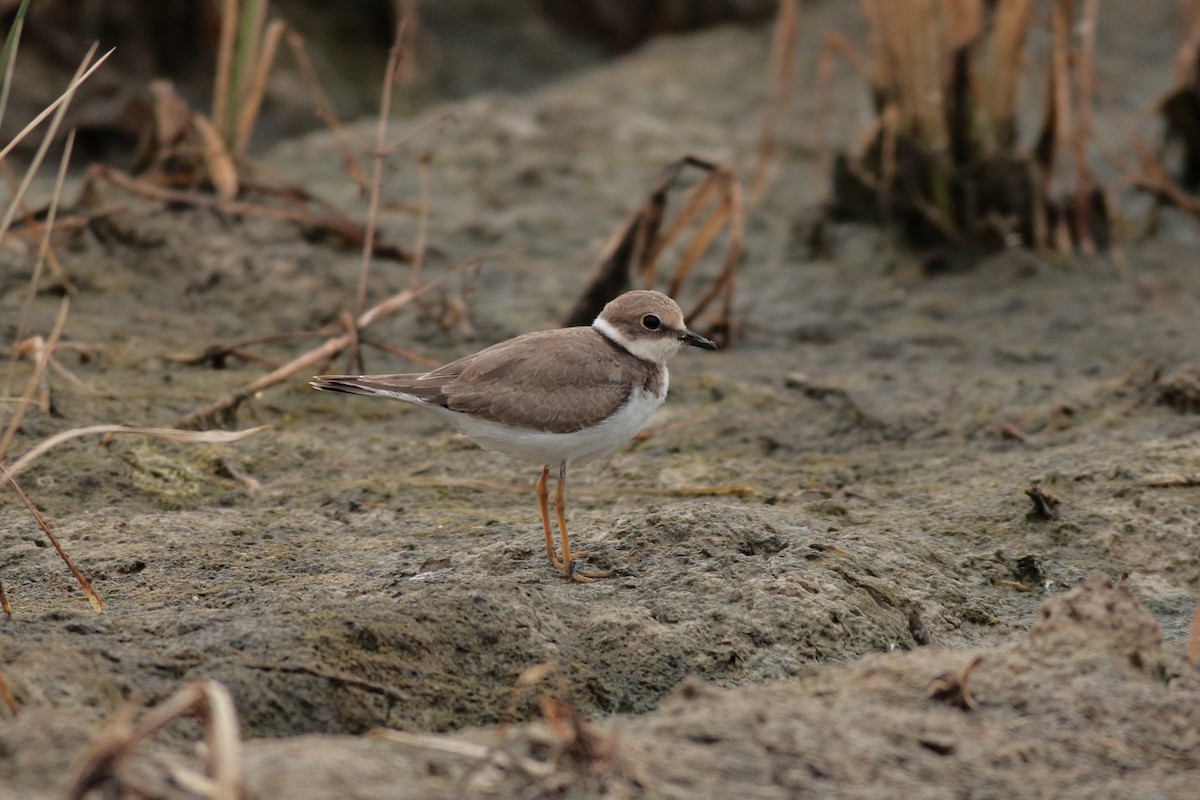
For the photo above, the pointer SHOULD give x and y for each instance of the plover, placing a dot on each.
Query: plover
(553, 398)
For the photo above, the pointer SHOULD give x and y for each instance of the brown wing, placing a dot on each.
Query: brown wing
(557, 381)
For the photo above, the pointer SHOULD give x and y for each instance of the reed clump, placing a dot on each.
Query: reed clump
(943, 160)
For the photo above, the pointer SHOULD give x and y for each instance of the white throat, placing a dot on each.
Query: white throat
(656, 349)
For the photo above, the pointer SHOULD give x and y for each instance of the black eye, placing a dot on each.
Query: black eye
(651, 322)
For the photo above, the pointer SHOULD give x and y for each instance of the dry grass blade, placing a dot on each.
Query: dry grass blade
(39, 369)
(252, 102)
(941, 162)
(45, 253)
(166, 434)
(225, 406)
(221, 169)
(8, 56)
(724, 284)
(580, 745)
(636, 246)
(833, 44)
(625, 254)
(63, 99)
(349, 231)
(701, 195)
(61, 105)
(699, 245)
(221, 91)
(1185, 59)
(455, 747)
(1084, 73)
(999, 79)
(121, 735)
(385, 105)
(6, 695)
(92, 597)
(422, 219)
(781, 77)
(324, 109)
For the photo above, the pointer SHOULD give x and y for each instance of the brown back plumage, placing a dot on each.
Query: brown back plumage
(555, 381)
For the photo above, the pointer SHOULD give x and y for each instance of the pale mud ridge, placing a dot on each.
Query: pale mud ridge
(822, 520)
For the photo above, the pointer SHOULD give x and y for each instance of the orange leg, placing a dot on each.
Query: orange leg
(543, 496)
(560, 512)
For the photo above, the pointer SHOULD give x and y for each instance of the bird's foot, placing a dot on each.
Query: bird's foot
(580, 576)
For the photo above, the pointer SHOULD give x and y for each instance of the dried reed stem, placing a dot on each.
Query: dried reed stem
(8, 56)
(781, 77)
(92, 597)
(120, 736)
(252, 99)
(385, 104)
(80, 76)
(59, 108)
(1084, 75)
(1000, 76)
(220, 107)
(324, 109)
(45, 253)
(10, 702)
(322, 353)
(39, 369)
(422, 219)
(834, 44)
(166, 434)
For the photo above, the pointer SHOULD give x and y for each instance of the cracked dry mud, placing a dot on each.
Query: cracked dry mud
(823, 519)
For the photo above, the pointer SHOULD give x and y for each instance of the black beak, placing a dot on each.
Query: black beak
(696, 340)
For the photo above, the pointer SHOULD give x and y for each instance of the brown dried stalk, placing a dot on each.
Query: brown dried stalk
(208, 699)
(222, 171)
(349, 231)
(633, 251)
(781, 79)
(82, 74)
(165, 434)
(60, 106)
(43, 232)
(39, 369)
(251, 102)
(1000, 76)
(324, 109)
(1084, 179)
(580, 745)
(45, 255)
(225, 407)
(418, 257)
(909, 51)
(833, 44)
(10, 702)
(385, 104)
(952, 688)
(92, 597)
(941, 159)
(229, 17)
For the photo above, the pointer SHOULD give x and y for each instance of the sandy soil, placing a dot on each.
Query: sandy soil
(826, 523)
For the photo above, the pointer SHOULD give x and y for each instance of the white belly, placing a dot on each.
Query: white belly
(547, 449)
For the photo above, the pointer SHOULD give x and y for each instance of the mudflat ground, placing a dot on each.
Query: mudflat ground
(825, 523)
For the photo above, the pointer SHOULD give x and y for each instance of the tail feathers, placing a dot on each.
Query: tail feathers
(398, 387)
(350, 384)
